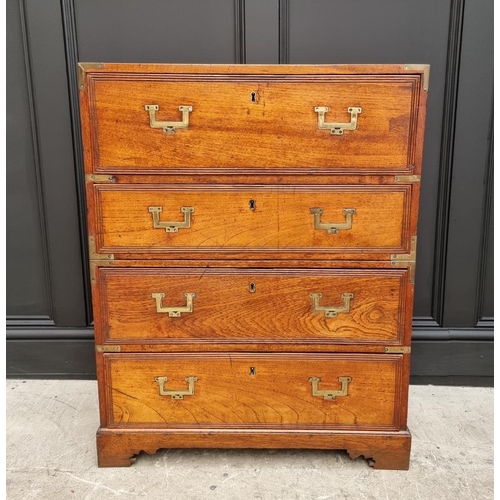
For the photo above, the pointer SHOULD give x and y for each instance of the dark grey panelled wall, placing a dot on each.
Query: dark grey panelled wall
(49, 173)
(471, 167)
(49, 305)
(26, 249)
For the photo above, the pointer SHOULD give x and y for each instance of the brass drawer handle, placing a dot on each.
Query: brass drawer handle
(337, 128)
(171, 226)
(330, 311)
(168, 127)
(329, 394)
(333, 227)
(176, 393)
(176, 311)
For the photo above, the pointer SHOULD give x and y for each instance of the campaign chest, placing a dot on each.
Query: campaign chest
(252, 238)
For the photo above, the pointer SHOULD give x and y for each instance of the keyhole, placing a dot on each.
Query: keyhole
(252, 287)
(252, 204)
(252, 371)
(253, 97)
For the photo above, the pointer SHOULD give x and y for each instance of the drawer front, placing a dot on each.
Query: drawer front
(252, 306)
(262, 390)
(256, 122)
(278, 220)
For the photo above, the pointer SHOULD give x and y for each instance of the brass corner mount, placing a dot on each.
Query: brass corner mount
(82, 68)
(97, 259)
(425, 68)
(407, 260)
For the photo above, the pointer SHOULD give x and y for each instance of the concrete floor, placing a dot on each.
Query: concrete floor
(51, 455)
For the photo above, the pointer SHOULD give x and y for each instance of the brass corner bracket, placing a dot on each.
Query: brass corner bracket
(99, 178)
(82, 68)
(407, 256)
(407, 260)
(407, 178)
(97, 259)
(398, 350)
(425, 68)
(97, 256)
(108, 348)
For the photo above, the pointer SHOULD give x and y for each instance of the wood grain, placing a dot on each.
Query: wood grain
(271, 152)
(225, 310)
(223, 221)
(278, 395)
(227, 130)
(384, 450)
(254, 69)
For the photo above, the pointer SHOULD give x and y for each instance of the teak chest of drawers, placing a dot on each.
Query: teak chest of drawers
(252, 237)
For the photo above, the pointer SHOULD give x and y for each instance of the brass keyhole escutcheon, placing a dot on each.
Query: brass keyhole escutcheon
(252, 205)
(253, 97)
(251, 287)
(252, 371)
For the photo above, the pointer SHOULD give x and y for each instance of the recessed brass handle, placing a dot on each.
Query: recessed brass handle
(176, 393)
(175, 311)
(333, 227)
(168, 127)
(331, 311)
(337, 128)
(329, 394)
(171, 226)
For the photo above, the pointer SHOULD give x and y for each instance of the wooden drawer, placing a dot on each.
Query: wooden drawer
(252, 306)
(261, 390)
(252, 242)
(226, 129)
(274, 221)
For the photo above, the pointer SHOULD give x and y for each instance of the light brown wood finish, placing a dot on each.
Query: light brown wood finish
(252, 177)
(253, 69)
(281, 223)
(279, 130)
(272, 152)
(226, 309)
(88, 72)
(279, 394)
(251, 263)
(237, 345)
(384, 450)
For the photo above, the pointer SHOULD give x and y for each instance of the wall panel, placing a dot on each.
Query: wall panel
(27, 267)
(177, 31)
(470, 160)
(51, 108)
